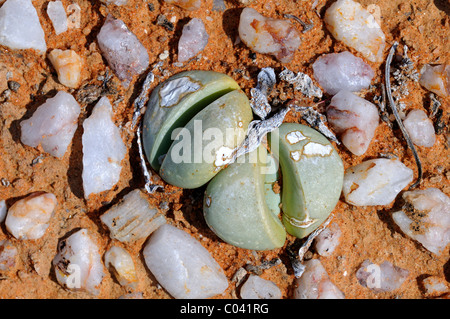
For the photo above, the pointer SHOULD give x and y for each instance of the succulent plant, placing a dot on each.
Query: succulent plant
(224, 122)
(240, 204)
(312, 173)
(174, 103)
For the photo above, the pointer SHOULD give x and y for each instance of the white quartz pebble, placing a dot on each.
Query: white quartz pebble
(426, 218)
(256, 287)
(103, 150)
(354, 119)
(3, 210)
(133, 218)
(350, 23)
(8, 256)
(57, 15)
(182, 265)
(28, 218)
(189, 5)
(116, 2)
(20, 27)
(52, 125)
(342, 71)
(268, 36)
(193, 40)
(381, 278)
(420, 128)
(315, 283)
(436, 79)
(375, 182)
(126, 56)
(68, 65)
(435, 286)
(78, 263)
(121, 264)
(327, 240)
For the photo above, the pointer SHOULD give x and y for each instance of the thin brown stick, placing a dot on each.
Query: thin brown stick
(393, 107)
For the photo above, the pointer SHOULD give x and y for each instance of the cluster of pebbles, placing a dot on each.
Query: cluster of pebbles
(178, 261)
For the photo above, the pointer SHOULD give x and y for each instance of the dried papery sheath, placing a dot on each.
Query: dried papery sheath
(149, 186)
(139, 102)
(315, 120)
(257, 130)
(133, 218)
(434, 105)
(301, 82)
(259, 102)
(258, 270)
(139, 106)
(306, 26)
(304, 248)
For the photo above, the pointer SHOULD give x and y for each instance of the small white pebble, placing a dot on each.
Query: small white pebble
(342, 71)
(193, 40)
(122, 265)
(268, 36)
(350, 23)
(78, 263)
(435, 286)
(189, 5)
(28, 218)
(381, 278)
(68, 65)
(116, 2)
(103, 150)
(20, 27)
(182, 265)
(354, 119)
(52, 125)
(315, 283)
(430, 223)
(164, 55)
(328, 239)
(436, 79)
(420, 128)
(375, 182)
(122, 49)
(57, 15)
(8, 256)
(256, 287)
